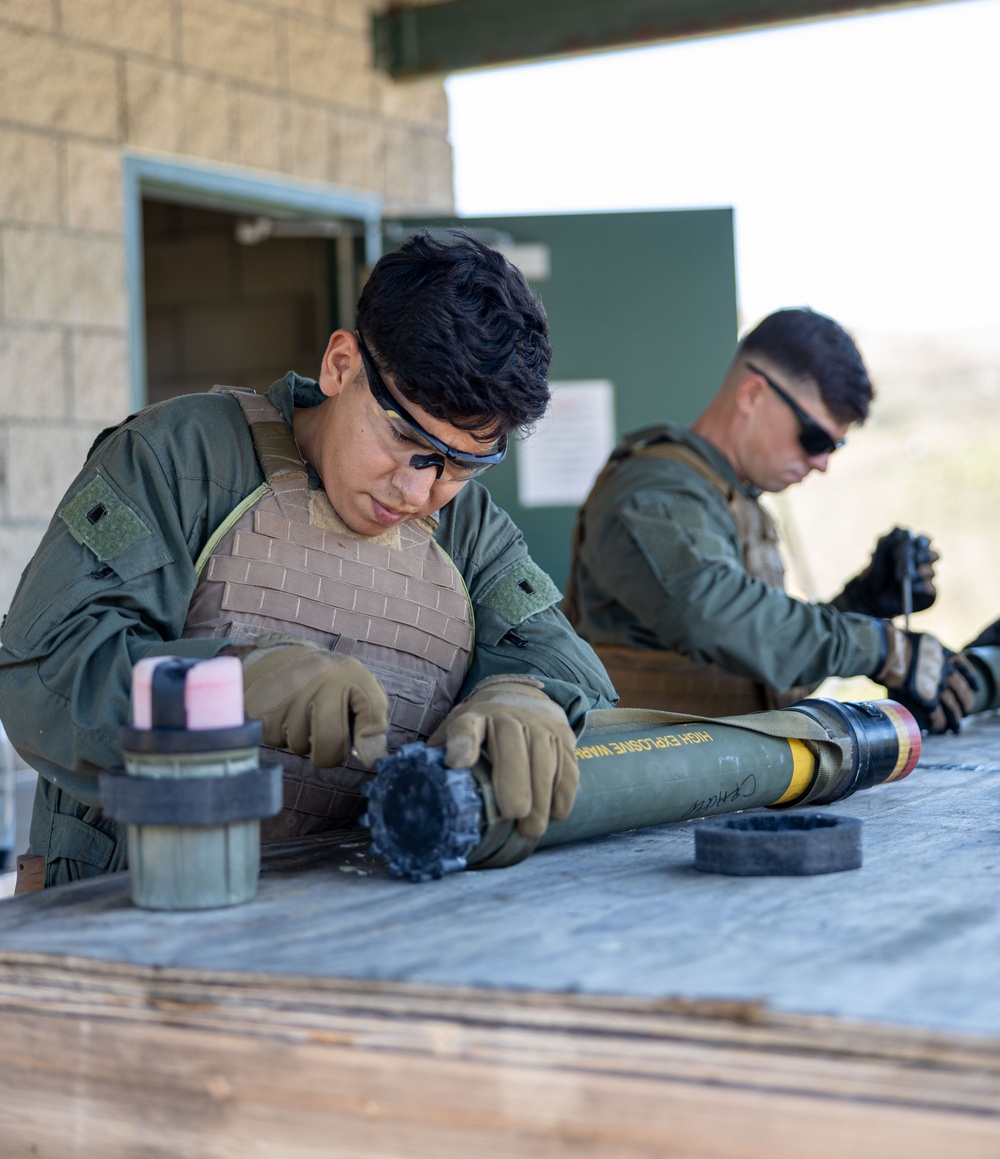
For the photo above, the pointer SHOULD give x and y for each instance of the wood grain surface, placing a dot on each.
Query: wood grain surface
(113, 1060)
(601, 999)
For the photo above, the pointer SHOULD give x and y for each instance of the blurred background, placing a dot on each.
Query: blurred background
(855, 154)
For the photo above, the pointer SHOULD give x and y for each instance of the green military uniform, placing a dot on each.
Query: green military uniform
(677, 583)
(114, 575)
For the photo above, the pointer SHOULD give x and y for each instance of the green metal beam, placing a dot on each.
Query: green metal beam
(467, 34)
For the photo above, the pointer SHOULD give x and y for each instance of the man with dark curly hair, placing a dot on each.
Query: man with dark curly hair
(677, 579)
(333, 536)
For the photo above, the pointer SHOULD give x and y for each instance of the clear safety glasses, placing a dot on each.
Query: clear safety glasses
(406, 440)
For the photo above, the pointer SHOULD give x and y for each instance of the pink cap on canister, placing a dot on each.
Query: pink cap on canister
(213, 693)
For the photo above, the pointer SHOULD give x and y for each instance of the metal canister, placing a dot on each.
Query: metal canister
(193, 789)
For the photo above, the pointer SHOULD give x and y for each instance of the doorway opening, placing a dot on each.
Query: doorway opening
(235, 277)
(241, 300)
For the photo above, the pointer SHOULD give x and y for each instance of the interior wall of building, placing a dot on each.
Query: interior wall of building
(276, 87)
(218, 311)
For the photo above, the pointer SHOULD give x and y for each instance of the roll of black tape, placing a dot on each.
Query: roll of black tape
(769, 844)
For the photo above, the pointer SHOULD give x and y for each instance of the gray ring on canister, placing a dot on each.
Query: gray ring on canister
(761, 843)
(201, 801)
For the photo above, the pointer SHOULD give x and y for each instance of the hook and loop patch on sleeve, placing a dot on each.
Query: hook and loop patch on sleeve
(100, 519)
(520, 593)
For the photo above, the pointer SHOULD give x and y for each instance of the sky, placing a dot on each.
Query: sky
(860, 156)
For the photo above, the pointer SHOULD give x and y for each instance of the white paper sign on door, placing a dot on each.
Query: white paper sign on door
(558, 462)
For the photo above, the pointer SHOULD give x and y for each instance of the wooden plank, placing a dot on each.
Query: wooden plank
(118, 1060)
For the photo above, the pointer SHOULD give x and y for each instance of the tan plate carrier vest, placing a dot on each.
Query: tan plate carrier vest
(671, 681)
(284, 561)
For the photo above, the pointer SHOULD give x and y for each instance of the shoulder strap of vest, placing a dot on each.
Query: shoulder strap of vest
(658, 447)
(681, 453)
(755, 529)
(275, 447)
(236, 514)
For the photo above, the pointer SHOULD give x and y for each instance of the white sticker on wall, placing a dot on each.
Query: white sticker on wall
(534, 260)
(558, 462)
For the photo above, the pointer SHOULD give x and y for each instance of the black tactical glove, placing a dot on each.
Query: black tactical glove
(937, 685)
(989, 637)
(878, 590)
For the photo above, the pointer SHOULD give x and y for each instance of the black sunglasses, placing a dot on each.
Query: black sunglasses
(813, 439)
(467, 462)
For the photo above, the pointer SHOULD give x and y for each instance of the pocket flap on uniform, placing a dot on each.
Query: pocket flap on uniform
(521, 592)
(98, 518)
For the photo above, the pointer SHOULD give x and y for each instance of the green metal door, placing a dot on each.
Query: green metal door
(643, 301)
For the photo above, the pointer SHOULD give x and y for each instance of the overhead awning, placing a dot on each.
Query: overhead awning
(466, 34)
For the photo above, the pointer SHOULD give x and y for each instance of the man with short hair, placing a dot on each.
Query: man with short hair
(677, 580)
(333, 536)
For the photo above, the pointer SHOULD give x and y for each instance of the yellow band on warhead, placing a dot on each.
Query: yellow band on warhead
(803, 769)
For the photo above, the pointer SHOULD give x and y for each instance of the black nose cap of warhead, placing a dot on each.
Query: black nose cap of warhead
(424, 817)
(884, 743)
(768, 844)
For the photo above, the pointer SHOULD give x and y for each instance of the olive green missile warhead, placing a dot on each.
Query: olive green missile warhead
(428, 820)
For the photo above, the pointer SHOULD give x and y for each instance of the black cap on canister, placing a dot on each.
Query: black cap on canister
(425, 819)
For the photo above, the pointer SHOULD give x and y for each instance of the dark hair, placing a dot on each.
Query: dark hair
(806, 344)
(460, 330)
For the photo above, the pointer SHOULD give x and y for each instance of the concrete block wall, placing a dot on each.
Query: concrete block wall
(274, 86)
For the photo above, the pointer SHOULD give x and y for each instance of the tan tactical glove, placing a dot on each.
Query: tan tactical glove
(936, 685)
(529, 742)
(316, 703)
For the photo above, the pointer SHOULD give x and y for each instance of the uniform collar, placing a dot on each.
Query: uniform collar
(294, 391)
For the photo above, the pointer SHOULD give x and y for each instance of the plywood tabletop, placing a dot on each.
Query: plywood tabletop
(913, 937)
